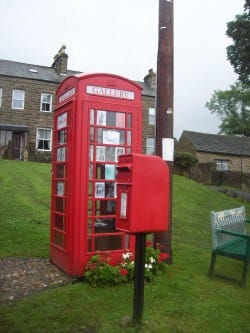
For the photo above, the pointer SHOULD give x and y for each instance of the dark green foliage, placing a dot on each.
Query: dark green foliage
(233, 108)
(239, 52)
(185, 160)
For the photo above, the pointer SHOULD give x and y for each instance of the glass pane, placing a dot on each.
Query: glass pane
(129, 120)
(61, 152)
(110, 154)
(59, 221)
(111, 118)
(99, 189)
(111, 207)
(99, 138)
(129, 138)
(119, 151)
(120, 119)
(113, 137)
(59, 239)
(91, 171)
(100, 171)
(110, 190)
(100, 153)
(91, 152)
(60, 203)
(60, 171)
(92, 134)
(61, 137)
(129, 150)
(90, 189)
(101, 118)
(90, 206)
(60, 188)
(104, 225)
(92, 117)
(99, 207)
(47, 134)
(90, 226)
(108, 243)
(109, 171)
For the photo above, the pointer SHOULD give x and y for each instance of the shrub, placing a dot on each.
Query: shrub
(100, 270)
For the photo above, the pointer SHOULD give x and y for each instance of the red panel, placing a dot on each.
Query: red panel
(143, 194)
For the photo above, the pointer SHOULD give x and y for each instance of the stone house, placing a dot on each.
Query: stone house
(218, 156)
(27, 101)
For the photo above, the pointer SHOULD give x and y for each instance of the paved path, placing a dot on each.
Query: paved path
(21, 277)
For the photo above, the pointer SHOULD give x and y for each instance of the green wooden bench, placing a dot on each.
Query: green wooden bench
(230, 238)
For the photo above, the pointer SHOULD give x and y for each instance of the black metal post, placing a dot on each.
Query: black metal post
(140, 249)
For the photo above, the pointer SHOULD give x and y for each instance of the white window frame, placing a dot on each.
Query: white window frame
(150, 146)
(18, 99)
(151, 116)
(1, 97)
(45, 103)
(39, 138)
(222, 165)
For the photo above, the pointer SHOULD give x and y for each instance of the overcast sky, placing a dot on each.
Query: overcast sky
(121, 37)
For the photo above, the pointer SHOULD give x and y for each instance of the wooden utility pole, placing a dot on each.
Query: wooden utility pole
(164, 107)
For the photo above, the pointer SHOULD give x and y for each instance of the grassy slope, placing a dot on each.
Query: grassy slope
(183, 299)
(24, 208)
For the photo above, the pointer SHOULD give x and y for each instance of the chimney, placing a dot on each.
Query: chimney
(60, 63)
(150, 79)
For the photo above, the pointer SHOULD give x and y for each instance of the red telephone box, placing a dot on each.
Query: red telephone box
(97, 118)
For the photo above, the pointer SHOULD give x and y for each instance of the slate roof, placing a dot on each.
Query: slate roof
(221, 144)
(43, 73)
(30, 71)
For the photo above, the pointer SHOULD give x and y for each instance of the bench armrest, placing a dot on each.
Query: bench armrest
(232, 233)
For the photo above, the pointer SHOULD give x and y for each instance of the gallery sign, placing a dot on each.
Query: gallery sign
(67, 94)
(110, 92)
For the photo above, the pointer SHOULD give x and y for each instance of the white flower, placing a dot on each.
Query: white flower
(126, 255)
(152, 260)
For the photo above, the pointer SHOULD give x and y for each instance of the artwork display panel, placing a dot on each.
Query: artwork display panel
(100, 190)
(119, 151)
(101, 118)
(61, 154)
(109, 171)
(100, 153)
(120, 119)
(111, 137)
(60, 188)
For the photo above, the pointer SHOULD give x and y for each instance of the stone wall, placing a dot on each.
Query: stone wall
(236, 163)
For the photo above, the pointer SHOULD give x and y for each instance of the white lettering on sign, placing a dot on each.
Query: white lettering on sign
(110, 92)
(62, 120)
(67, 94)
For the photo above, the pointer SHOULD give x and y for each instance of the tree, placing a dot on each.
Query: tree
(239, 53)
(233, 108)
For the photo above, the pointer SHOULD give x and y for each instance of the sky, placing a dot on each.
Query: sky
(121, 37)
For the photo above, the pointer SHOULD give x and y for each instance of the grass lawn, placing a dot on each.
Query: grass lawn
(182, 299)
